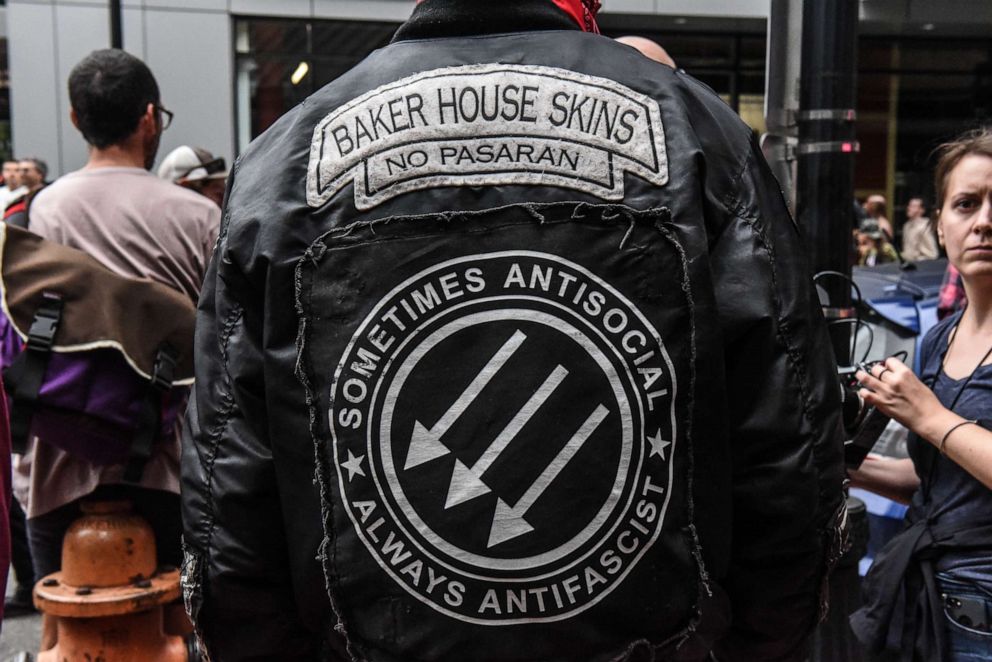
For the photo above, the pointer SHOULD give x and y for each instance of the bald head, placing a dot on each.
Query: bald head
(649, 49)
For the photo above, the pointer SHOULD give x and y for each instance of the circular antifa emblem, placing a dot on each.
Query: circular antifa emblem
(503, 429)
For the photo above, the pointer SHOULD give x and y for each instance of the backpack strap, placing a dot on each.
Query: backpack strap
(26, 374)
(151, 412)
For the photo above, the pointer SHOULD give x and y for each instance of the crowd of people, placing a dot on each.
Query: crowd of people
(194, 168)
(875, 237)
(539, 380)
(22, 179)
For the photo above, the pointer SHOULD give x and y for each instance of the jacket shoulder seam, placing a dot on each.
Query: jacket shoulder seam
(732, 202)
(797, 368)
(225, 414)
(783, 324)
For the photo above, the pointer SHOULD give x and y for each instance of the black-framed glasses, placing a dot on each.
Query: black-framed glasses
(166, 116)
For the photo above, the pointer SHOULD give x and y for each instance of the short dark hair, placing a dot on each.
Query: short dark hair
(110, 90)
(39, 165)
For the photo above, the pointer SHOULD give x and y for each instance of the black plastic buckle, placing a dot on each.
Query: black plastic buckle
(41, 335)
(165, 368)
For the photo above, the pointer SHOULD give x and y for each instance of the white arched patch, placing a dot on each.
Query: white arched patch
(488, 124)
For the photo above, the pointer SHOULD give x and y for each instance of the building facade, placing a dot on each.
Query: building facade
(229, 68)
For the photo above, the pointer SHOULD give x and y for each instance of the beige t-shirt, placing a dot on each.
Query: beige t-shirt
(138, 226)
(919, 241)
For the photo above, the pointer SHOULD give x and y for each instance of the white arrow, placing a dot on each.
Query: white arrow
(425, 445)
(466, 483)
(509, 523)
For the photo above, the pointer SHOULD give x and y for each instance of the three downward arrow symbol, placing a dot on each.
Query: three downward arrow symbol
(425, 445)
(509, 523)
(466, 482)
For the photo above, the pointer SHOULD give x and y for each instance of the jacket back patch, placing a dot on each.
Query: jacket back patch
(500, 402)
(488, 124)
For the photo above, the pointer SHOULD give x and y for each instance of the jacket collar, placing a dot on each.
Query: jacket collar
(432, 19)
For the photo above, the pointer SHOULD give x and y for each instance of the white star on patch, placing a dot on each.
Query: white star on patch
(658, 445)
(354, 465)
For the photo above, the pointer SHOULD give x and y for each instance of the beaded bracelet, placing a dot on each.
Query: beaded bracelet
(943, 440)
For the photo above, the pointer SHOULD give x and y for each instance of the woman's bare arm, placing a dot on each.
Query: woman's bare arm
(897, 392)
(893, 479)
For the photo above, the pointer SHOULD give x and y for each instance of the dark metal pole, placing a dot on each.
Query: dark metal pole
(827, 145)
(116, 32)
(782, 62)
(825, 209)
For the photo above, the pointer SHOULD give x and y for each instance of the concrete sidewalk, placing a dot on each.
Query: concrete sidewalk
(22, 633)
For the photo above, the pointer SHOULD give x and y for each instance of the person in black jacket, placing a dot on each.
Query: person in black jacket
(514, 358)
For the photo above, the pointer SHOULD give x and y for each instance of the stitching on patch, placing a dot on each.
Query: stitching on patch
(534, 209)
(322, 471)
(691, 405)
(704, 580)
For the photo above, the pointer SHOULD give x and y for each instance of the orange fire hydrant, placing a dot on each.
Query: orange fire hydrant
(108, 598)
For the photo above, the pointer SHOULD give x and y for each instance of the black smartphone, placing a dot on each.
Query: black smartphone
(969, 612)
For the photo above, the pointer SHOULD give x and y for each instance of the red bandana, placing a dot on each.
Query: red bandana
(582, 11)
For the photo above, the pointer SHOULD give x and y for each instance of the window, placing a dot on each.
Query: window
(912, 93)
(282, 62)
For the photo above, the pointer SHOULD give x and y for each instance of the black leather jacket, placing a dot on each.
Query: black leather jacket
(725, 506)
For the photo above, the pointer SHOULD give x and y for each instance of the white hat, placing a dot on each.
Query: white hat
(192, 164)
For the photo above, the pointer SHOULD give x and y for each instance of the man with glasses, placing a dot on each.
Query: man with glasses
(138, 226)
